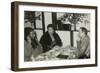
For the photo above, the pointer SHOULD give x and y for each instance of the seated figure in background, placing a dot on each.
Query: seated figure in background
(83, 43)
(32, 47)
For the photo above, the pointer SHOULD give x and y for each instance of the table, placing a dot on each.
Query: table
(55, 53)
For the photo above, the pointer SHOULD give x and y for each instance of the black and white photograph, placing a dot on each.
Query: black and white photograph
(56, 36)
(53, 36)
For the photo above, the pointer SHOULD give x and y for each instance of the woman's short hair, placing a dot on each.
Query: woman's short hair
(27, 31)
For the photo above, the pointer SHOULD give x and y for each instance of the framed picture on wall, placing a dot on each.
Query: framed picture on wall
(52, 36)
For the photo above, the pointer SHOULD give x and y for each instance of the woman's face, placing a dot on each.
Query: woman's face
(50, 30)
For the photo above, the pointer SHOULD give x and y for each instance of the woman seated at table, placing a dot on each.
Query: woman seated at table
(50, 39)
(32, 47)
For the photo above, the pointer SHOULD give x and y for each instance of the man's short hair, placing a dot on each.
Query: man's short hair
(84, 30)
(50, 25)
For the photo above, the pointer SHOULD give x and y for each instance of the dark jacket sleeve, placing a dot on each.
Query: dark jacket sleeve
(46, 41)
(58, 40)
(43, 42)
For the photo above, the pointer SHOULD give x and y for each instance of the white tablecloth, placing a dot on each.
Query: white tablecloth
(69, 51)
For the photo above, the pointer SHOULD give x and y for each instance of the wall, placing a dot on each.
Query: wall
(48, 19)
(5, 37)
(65, 37)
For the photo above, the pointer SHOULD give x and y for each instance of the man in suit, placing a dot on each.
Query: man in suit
(83, 43)
(50, 39)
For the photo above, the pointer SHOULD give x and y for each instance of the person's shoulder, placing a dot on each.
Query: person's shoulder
(55, 33)
(45, 34)
(87, 38)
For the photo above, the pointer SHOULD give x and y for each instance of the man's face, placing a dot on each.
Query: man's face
(32, 34)
(50, 30)
(81, 33)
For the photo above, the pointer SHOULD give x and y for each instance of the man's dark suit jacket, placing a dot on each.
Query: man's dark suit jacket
(46, 41)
